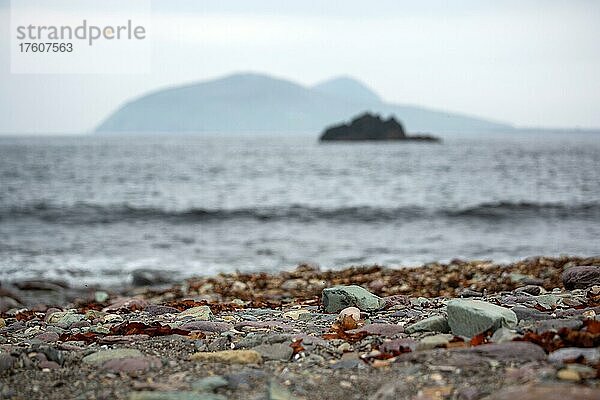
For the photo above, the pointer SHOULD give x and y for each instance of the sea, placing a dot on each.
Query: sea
(91, 209)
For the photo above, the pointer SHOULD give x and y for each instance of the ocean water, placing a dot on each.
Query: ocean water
(91, 209)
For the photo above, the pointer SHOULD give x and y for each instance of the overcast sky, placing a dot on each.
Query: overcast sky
(529, 63)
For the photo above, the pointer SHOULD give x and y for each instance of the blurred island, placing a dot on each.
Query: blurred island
(369, 126)
(252, 103)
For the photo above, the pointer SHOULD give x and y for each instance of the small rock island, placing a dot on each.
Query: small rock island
(372, 127)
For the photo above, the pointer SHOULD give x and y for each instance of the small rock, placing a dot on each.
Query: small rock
(148, 277)
(351, 312)
(210, 383)
(47, 337)
(207, 326)
(581, 277)
(557, 324)
(201, 313)
(229, 357)
(2, 323)
(529, 314)
(6, 362)
(572, 354)
(437, 323)
(432, 342)
(568, 375)
(296, 314)
(471, 317)
(100, 296)
(64, 319)
(337, 298)
(132, 364)
(102, 356)
(398, 345)
(503, 335)
(509, 351)
(548, 301)
(387, 330)
(470, 293)
(276, 351)
(155, 310)
(533, 290)
(48, 365)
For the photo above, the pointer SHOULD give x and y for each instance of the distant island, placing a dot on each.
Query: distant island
(255, 103)
(372, 127)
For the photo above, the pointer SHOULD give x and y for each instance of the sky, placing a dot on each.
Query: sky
(529, 63)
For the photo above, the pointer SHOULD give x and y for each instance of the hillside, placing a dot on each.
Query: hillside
(255, 103)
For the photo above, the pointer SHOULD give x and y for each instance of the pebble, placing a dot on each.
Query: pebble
(47, 337)
(64, 319)
(387, 330)
(276, 351)
(352, 312)
(100, 296)
(229, 357)
(568, 375)
(201, 313)
(503, 335)
(297, 314)
(560, 356)
(132, 364)
(102, 356)
(471, 317)
(337, 298)
(207, 326)
(437, 323)
(581, 277)
(432, 342)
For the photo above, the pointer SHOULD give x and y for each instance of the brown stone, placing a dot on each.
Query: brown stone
(581, 277)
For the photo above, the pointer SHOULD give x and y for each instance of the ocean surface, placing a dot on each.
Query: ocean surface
(91, 209)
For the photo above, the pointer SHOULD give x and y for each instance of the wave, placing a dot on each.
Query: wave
(83, 213)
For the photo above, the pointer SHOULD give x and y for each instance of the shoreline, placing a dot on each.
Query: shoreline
(462, 330)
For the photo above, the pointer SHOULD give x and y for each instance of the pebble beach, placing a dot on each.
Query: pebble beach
(463, 330)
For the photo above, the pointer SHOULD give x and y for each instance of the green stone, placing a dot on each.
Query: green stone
(210, 383)
(437, 323)
(472, 317)
(336, 298)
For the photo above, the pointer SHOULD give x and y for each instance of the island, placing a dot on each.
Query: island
(369, 126)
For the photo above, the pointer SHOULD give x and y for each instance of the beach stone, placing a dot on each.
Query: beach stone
(297, 314)
(548, 301)
(48, 365)
(530, 314)
(387, 330)
(581, 277)
(210, 383)
(2, 323)
(557, 324)
(229, 357)
(337, 298)
(503, 335)
(201, 313)
(149, 277)
(6, 362)
(132, 364)
(533, 290)
(432, 342)
(182, 395)
(100, 296)
(471, 317)
(398, 345)
(155, 310)
(102, 356)
(275, 351)
(566, 354)
(352, 312)
(568, 375)
(64, 319)
(47, 337)
(437, 323)
(128, 303)
(207, 326)
(550, 392)
(509, 351)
